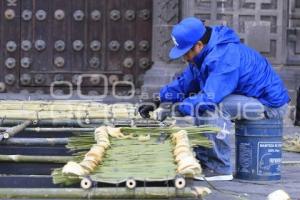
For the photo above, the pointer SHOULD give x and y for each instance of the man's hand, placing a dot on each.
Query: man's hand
(161, 114)
(148, 106)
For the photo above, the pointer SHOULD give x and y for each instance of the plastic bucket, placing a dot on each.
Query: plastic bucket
(258, 149)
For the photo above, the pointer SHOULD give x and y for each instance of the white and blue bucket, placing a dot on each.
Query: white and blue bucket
(259, 149)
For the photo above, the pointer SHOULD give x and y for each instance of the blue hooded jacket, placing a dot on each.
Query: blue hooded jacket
(223, 67)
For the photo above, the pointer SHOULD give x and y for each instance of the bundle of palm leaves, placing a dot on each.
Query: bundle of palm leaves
(292, 143)
(143, 153)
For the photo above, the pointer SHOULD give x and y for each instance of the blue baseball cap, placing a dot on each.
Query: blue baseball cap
(185, 35)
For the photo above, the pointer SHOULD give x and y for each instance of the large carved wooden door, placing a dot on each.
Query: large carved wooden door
(61, 42)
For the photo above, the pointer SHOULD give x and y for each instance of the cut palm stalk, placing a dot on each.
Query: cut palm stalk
(95, 155)
(187, 164)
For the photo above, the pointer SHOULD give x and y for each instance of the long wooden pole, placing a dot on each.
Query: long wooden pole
(83, 123)
(99, 193)
(55, 122)
(35, 159)
(36, 141)
(10, 132)
(59, 129)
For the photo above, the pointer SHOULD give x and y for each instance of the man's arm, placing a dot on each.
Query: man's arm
(219, 84)
(179, 89)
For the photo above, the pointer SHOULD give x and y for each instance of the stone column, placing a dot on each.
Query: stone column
(165, 16)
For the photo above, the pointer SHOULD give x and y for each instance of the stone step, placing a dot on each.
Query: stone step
(148, 91)
(157, 80)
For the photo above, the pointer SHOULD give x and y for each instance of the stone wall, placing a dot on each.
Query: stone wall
(166, 13)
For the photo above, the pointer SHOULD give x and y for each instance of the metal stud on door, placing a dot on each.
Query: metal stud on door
(26, 45)
(112, 79)
(94, 62)
(144, 14)
(130, 15)
(39, 79)
(144, 45)
(115, 15)
(11, 46)
(40, 45)
(10, 63)
(9, 14)
(59, 15)
(59, 61)
(25, 79)
(25, 62)
(59, 46)
(95, 79)
(96, 15)
(27, 15)
(77, 45)
(128, 62)
(114, 45)
(95, 45)
(78, 15)
(144, 63)
(41, 15)
(10, 79)
(129, 45)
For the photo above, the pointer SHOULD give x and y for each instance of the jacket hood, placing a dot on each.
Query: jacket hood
(220, 35)
(223, 35)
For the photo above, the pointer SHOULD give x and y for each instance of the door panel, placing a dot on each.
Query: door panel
(59, 40)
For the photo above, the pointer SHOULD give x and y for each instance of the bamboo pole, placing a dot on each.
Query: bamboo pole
(36, 141)
(51, 102)
(63, 106)
(100, 193)
(38, 107)
(16, 129)
(69, 114)
(18, 114)
(55, 122)
(35, 159)
(84, 123)
(65, 109)
(60, 129)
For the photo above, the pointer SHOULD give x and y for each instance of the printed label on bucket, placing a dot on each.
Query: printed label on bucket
(245, 158)
(268, 158)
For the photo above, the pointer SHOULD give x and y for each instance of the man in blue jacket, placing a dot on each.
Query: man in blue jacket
(225, 76)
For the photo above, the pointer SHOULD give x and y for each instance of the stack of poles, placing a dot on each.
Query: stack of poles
(58, 117)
